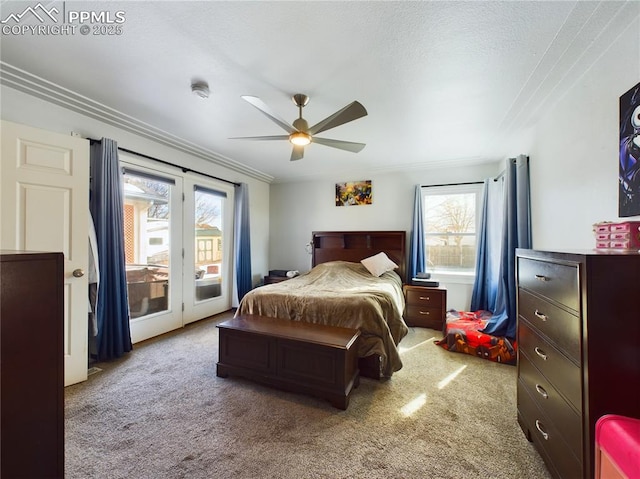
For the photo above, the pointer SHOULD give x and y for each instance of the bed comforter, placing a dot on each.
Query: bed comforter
(345, 294)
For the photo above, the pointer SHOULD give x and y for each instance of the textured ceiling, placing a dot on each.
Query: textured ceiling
(444, 83)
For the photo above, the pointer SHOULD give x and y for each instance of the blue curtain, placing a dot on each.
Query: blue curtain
(417, 254)
(112, 314)
(485, 287)
(516, 233)
(242, 243)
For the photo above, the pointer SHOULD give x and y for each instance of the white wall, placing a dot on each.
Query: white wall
(26, 109)
(297, 209)
(574, 160)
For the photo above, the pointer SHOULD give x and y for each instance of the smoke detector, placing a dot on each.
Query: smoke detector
(200, 88)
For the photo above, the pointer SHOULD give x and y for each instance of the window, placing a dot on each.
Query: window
(209, 207)
(147, 219)
(450, 224)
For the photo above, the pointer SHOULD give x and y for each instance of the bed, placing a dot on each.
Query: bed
(340, 291)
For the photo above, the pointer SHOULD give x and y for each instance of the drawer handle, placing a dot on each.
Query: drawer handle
(540, 353)
(540, 315)
(541, 277)
(545, 435)
(426, 313)
(424, 298)
(541, 391)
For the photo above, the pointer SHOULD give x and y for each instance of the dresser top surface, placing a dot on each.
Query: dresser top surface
(577, 253)
(8, 255)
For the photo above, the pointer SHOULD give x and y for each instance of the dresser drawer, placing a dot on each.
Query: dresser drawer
(557, 411)
(563, 374)
(425, 317)
(556, 281)
(546, 435)
(424, 297)
(562, 327)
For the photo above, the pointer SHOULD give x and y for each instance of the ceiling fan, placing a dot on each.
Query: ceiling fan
(300, 135)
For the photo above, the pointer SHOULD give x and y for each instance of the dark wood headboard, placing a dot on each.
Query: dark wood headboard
(356, 245)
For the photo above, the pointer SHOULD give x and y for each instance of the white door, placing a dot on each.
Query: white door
(208, 226)
(153, 248)
(44, 198)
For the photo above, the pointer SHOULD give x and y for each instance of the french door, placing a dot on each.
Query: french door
(177, 247)
(208, 223)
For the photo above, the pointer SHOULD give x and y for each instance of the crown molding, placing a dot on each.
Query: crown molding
(400, 168)
(33, 85)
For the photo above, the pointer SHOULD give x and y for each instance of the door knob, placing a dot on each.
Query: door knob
(78, 273)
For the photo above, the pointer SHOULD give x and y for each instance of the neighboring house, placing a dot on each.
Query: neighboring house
(145, 239)
(146, 243)
(208, 248)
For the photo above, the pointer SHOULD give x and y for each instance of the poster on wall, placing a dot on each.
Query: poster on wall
(629, 176)
(354, 193)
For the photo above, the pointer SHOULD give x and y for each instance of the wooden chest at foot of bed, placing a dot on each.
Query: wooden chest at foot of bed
(296, 356)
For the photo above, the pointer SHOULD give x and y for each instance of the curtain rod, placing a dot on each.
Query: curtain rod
(467, 183)
(454, 184)
(184, 169)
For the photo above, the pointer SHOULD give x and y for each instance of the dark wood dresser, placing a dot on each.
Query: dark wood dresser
(31, 365)
(579, 350)
(426, 307)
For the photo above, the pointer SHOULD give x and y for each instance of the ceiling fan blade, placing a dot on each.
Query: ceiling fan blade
(297, 153)
(342, 145)
(351, 112)
(268, 112)
(272, 137)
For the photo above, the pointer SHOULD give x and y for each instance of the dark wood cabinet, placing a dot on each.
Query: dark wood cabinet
(275, 279)
(578, 337)
(31, 365)
(425, 307)
(310, 358)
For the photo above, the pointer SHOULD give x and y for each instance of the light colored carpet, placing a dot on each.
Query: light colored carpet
(161, 412)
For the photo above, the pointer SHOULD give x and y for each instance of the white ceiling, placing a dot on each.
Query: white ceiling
(444, 83)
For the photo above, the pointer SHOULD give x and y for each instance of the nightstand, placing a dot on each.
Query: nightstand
(426, 307)
(274, 279)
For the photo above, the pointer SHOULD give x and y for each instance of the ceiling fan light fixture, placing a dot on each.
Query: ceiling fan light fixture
(300, 134)
(300, 138)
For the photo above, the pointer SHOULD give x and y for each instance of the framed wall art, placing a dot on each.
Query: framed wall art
(354, 193)
(629, 156)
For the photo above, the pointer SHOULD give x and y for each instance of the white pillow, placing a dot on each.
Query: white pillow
(379, 264)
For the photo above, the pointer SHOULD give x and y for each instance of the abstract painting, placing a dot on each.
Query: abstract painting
(354, 193)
